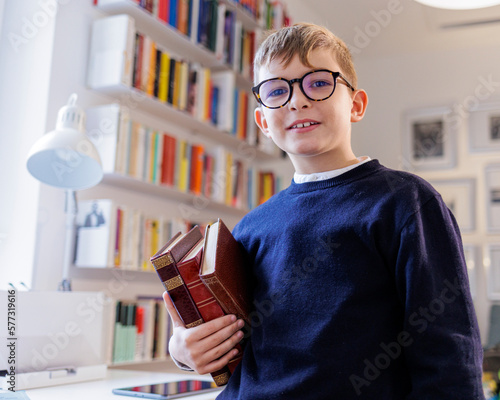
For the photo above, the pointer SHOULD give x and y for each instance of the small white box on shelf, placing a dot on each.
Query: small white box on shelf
(111, 59)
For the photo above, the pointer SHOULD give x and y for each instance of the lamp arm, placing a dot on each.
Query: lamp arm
(70, 209)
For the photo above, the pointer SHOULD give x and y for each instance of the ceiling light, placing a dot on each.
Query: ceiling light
(459, 4)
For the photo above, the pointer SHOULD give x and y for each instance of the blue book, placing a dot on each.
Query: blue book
(235, 111)
(172, 16)
(215, 105)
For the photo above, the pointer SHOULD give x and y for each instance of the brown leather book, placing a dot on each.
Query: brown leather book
(223, 271)
(165, 263)
(206, 303)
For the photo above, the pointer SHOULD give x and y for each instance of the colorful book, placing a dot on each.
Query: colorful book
(163, 82)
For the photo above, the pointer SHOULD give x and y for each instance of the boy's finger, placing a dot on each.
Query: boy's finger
(172, 311)
(215, 326)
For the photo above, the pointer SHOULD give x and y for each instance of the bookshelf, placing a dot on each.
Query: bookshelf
(161, 191)
(224, 78)
(153, 106)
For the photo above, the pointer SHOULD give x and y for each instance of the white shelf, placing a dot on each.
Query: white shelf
(164, 192)
(134, 98)
(106, 273)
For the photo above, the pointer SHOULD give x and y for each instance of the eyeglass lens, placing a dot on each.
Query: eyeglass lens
(316, 85)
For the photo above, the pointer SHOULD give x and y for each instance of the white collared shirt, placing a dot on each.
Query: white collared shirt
(320, 176)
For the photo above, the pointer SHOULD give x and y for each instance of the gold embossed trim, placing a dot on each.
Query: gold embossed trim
(221, 379)
(173, 283)
(163, 261)
(195, 323)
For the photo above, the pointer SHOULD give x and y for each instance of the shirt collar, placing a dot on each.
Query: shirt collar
(320, 176)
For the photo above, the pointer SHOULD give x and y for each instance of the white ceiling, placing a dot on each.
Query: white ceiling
(410, 27)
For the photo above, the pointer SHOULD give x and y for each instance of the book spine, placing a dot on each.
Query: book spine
(222, 296)
(209, 310)
(173, 283)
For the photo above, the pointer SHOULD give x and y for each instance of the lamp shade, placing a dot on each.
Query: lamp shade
(66, 158)
(459, 4)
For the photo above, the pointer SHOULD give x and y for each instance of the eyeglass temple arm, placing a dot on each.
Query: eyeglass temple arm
(346, 82)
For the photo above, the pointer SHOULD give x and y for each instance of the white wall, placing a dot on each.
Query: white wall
(26, 43)
(401, 83)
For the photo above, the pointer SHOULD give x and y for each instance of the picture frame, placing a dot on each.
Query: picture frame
(492, 196)
(460, 197)
(471, 253)
(429, 139)
(492, 266)
(484, 128)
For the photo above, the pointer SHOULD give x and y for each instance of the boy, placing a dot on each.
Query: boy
(361, 289)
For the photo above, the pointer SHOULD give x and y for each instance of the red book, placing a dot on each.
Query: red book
(208, 176)
(165, 163)
(138, 61)
(163, 10)
(196, 173)
(173, 160)
(165, 263)
(206, 303)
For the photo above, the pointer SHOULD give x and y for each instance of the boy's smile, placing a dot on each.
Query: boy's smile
(315, 134)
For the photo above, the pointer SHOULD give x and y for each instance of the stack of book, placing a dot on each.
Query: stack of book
(141, 331)
(206, 278)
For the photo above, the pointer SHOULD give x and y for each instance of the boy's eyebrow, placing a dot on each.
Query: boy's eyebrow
(289, 79)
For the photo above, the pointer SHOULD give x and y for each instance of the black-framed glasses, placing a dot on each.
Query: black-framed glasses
(317, 85)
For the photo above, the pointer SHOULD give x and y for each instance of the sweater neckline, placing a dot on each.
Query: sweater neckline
(349, 176)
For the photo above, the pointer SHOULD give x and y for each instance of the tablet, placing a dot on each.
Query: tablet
(168, 390)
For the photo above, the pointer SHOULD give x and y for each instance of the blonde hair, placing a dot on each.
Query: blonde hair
(300, 39)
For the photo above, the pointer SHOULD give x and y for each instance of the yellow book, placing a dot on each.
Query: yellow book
(242, 106)
(145, 245)
(164, 75)
(177, 84)
(268, 186)
(150, 89)
(184, 166)
(119, 228)
(229, 180)
(207, 101)
(184, 81)
(152, 157)
(245, 56)
(155, 238)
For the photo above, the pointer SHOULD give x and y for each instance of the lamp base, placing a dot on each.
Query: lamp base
(64, 286)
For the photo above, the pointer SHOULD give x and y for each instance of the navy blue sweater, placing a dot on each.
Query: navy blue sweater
(361, 292)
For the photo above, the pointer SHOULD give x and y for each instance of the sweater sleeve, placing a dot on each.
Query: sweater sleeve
(442, 346)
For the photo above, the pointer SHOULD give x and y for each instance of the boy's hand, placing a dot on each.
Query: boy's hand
(205, 348)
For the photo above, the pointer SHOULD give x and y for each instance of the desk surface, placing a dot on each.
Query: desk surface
(101, 389)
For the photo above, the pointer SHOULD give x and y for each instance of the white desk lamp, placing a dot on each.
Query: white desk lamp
(67, 159)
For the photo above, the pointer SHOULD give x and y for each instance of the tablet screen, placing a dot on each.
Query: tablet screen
(168, 390)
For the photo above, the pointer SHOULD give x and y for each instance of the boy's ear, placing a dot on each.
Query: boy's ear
(359, 104)
(261, 121)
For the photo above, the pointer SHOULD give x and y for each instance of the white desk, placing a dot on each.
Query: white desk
(101, 389)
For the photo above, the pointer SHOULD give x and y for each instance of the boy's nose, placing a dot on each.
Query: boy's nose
(298, 100)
